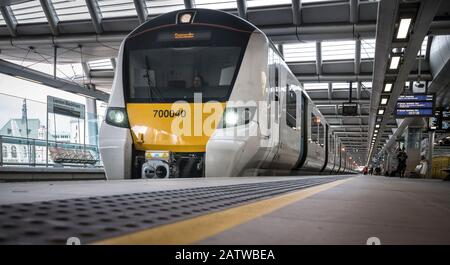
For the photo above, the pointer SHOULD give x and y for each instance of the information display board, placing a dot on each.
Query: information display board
(440, 120)
(415, 105)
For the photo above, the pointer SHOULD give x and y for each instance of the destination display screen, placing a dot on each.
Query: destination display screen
(415, 105)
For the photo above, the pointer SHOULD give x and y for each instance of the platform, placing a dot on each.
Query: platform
(344, 209)
(50, 173)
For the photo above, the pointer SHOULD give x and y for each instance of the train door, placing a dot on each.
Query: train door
(304, 131)
(272, 138)
(326, 147)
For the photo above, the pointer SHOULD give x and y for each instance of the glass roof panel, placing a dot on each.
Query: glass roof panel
(216, 4)
(343, 85)
(338, 50)
(367, 85)
(367, 48)
(2, 21)
(163, 6)
(315, 86)
(71, 9)
(103, 64)
(28, 12)
(117, 8)
(65, 71)
(253, 3)
(423, 48)
(299, 52)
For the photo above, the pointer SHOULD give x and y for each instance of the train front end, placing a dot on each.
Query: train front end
(174, 77)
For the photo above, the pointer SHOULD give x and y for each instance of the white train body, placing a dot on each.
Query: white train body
(293, 137)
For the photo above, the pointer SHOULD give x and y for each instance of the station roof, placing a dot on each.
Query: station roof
(328, 44)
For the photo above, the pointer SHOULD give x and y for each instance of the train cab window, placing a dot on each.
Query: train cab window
(168, 65)
(171, 74)
(291, 107)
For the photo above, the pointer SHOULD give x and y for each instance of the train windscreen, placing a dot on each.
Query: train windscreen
(174, 65)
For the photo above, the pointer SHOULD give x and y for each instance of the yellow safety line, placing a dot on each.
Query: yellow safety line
(198, 228)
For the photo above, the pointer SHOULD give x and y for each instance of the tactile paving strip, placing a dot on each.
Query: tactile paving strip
(94, 218)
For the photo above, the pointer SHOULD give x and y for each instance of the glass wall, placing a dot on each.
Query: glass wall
(30, 136)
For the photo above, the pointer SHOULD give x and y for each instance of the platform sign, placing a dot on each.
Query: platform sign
(65, 107)
(415, 105)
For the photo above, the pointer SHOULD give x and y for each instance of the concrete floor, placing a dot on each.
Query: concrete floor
(397, 211)
(26, 192)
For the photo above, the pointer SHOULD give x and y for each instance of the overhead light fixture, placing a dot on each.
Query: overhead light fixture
(403, 28)
(395, 62)
(377, 126)
(380, 111)
(384, 100)
(376, 131)
(387, 88)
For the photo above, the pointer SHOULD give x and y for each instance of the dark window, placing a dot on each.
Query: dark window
(5, 152)
(13, 152)
(172, 64)
(291, 107)
(9, 130)
(171, 74)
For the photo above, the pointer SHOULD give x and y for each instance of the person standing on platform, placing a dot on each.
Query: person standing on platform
(402, 156)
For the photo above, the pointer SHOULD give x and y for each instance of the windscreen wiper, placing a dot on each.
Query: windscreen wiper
(149, 82)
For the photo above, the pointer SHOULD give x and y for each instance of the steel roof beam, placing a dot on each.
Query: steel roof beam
(10, 20)
(425, 15)
(48, 80)
(141, 9)
(296, 12)
(50, 14)
(242, 8)
(96, 16)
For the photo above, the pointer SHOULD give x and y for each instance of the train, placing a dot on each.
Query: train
(204, 93)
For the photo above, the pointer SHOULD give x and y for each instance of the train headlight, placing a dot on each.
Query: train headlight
(231, 118)
(117, 117)
(237, 116)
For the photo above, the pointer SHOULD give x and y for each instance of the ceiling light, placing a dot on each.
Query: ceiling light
(384, 100)
(377, 126)
(376, 131)
(395, 61)
(387, 88)
(403, 28)
(380, 111)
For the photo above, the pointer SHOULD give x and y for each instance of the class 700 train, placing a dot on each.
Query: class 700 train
(204, 93)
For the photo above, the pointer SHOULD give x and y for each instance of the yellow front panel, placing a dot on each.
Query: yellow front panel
(183, 127)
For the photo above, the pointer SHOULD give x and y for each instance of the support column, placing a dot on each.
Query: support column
(430, 153)
(92, 125)
(412, 143)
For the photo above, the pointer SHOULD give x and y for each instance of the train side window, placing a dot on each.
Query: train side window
(321, 134)
(315, 121)
(291, 107)
(331, 144)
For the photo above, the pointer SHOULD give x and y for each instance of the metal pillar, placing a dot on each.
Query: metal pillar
(91, 111)
(430, 150)
(412, 144)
